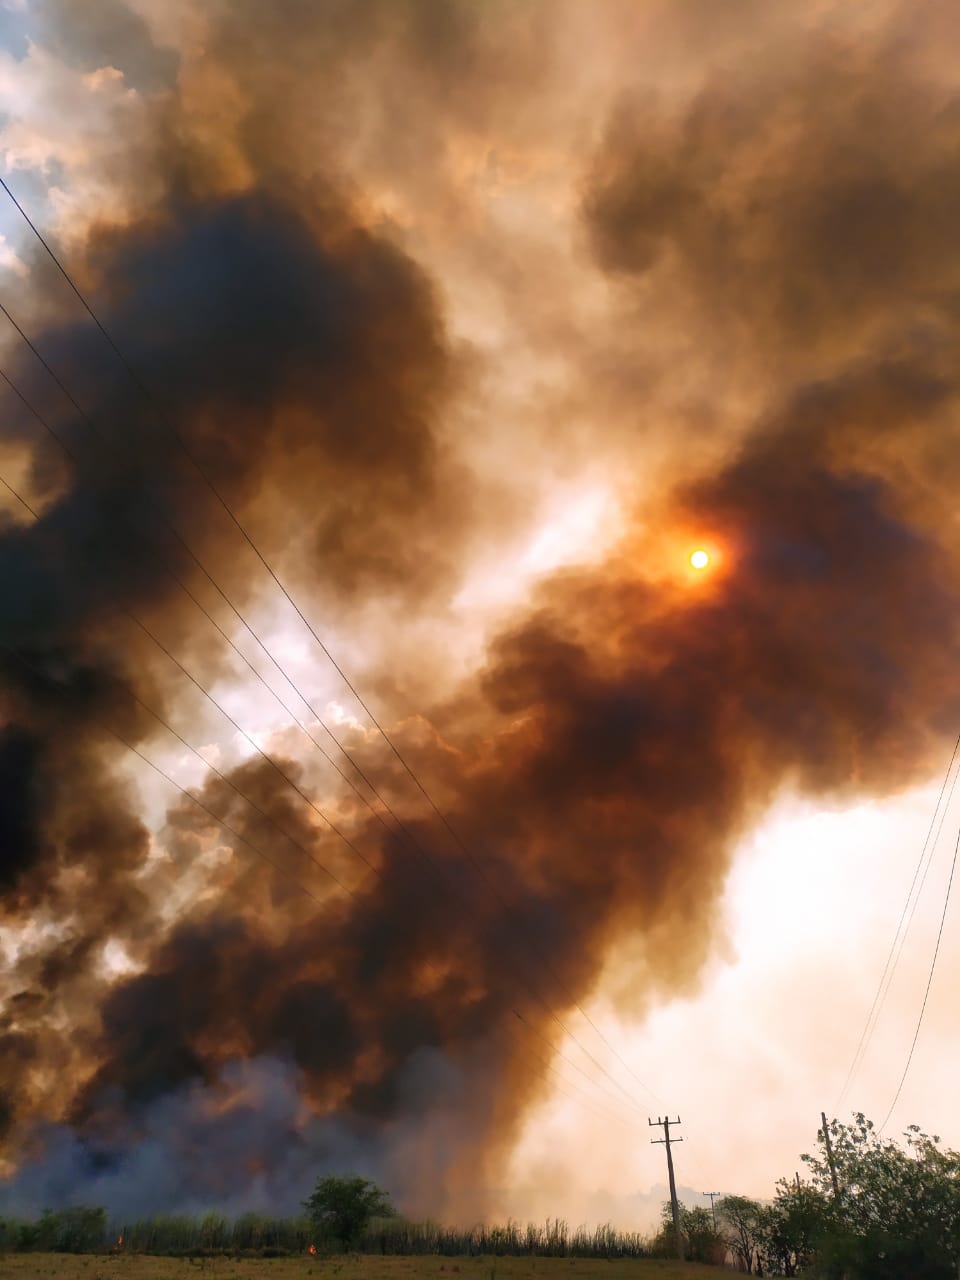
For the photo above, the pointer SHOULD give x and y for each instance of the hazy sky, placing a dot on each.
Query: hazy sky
(480, 318)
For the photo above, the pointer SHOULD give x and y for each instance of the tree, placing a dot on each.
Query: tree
(742, 1221)
(702, 1242)
(791, 1228)
(895, 1215)
(341, 1208)
(898, 1212)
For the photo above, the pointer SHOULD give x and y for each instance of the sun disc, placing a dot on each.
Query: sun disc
(699, 559)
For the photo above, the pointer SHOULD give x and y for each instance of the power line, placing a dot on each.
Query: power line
(179, 737)
(579, 1096)
(226, 637)
(63, 689)
(617, 1117)
(210, 698)
(201, 471)
(351, 845)
(926, 994)
(596, 1083)
(23, 502)
(464, 848)
(183, 586)
(332, 827)
(900, 935)
(345, 839)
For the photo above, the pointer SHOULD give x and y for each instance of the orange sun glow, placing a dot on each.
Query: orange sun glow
(699, 559)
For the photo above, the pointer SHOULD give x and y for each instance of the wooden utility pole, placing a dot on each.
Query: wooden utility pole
(833, 1167)
(665, 1122)
(713, 1208)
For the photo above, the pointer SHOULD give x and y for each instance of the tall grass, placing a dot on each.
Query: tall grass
(553, 1239)
(82, 1230)
(250, 1233)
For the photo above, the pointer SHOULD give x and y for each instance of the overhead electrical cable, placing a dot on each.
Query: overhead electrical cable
(239, 728)
(926, 870)
(335, 830)
(199, 686)
(184, 791)
(189, 593)
(63, 689)
(23, 502)
(598, 1109)
(903, 924)
(208, 481)
(926, 993)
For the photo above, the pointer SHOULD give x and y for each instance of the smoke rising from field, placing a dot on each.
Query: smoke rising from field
(792, 230)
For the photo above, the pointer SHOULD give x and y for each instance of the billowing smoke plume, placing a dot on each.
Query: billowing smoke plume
(623, 729)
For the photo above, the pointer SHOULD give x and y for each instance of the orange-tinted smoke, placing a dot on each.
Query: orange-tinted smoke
(623, 730)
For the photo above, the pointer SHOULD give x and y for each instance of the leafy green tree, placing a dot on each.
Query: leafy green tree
(342, 1208)
(898, 1212)
(791, 1228)
(701, 1241)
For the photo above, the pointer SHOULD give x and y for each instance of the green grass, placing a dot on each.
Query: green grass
(56, 1266)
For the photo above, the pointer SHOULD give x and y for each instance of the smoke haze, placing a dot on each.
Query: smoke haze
(404, 280)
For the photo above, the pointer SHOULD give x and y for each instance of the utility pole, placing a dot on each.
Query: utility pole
(713, 1208)
(833, 1167)
(665, 1122)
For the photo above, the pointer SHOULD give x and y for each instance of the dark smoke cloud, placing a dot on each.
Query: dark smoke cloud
(804, 210)
(302, 361)
(624, 729)
(22, 799)
(433, 65)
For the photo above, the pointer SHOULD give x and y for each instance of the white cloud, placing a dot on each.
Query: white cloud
(65, 122)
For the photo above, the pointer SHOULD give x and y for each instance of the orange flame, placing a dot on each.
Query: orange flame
(312, 1249)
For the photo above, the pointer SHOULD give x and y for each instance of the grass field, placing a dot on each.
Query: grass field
(58, 1266)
